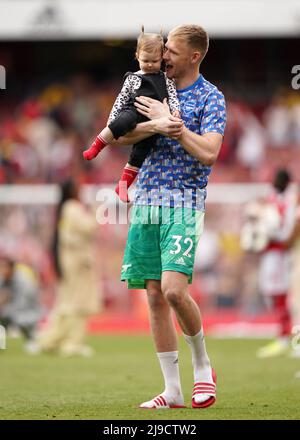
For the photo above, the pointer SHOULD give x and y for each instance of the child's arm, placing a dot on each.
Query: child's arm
(130, 85)
(173, 100)
(169, 126)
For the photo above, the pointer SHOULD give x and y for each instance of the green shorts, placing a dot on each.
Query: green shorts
(160, 239)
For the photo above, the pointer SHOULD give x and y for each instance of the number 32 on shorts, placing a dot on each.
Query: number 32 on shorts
(187, 241)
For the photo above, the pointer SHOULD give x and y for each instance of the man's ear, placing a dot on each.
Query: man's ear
(196, 57)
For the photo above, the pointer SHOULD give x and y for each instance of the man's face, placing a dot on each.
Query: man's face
(177, 57)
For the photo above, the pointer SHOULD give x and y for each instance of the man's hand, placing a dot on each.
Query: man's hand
(151, 108)
(160, 121)
(169, 126)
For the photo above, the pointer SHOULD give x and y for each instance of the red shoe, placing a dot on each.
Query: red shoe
(159, 402)
(98, 145)
(121, 190)
(205, 388)
(91, 153)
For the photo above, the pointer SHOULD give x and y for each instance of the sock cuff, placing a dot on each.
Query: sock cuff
(101, 138)
(189, 338)
(165, 354)
(129, 168)
(130, 172)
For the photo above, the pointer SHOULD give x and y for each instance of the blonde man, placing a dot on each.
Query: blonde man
(170, 200)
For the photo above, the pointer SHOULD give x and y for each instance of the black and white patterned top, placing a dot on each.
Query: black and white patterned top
(131, 84)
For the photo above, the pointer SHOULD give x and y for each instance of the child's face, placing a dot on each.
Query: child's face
(150, 62)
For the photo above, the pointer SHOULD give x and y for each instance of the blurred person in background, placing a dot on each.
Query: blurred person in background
(277, 122)
(78, 289)
(228, 281)
(19, 305)
(252, 141)
(294, 243)
(269, 225)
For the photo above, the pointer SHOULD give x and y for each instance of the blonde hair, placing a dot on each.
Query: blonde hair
(150, 42)
(195, 36)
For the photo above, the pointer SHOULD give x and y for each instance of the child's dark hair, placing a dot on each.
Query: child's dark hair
(281, 180)
(150, 42)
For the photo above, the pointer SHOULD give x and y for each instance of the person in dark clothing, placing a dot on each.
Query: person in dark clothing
(19, 305)
(150, 82)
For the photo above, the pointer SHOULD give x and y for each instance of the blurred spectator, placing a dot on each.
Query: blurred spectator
(262, 220)
(206, 265)
(294, 243)
(19, 305)
(228, 286)
(78, 292)
(277, 123)
(295, 123)
(46, 130)
(269, 227)
(251, 143)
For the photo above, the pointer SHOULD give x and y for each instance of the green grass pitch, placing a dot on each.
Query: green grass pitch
(125, 372)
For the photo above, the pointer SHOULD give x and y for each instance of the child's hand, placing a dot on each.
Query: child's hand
(176, 114)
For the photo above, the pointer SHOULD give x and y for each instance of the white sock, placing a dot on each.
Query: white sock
(169, 365)
(200, 359)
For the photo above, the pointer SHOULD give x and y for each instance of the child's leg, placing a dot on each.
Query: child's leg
(125, 122)
(128, 176)
(104, 138)
(138, 154)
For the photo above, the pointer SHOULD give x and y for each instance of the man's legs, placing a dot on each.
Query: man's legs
(165, 339)
(175, 291)
(280, 304)
(162, 324)
(282, 343)
(274, 283)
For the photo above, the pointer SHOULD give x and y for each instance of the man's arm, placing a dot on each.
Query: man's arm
(169, 126)
(204, 147)
(141, 132)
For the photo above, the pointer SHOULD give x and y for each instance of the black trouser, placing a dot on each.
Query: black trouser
(140, 151)
(27, 330)
(125, 122)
